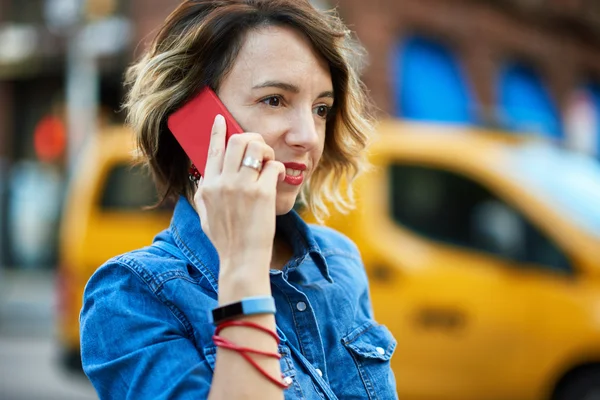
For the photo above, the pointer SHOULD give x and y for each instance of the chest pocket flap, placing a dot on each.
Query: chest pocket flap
(371, 340)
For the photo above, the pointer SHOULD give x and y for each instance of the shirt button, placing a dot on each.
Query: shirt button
(319, 372)
(380, 350)
(301, 306)
(288, 380)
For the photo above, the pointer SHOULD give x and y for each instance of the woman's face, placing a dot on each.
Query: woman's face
(280, 88)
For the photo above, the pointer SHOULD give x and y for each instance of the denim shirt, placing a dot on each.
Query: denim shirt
(145, 332)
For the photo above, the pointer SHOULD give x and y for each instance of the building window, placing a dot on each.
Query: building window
(524, 102)
(448, 207)
(429, 84)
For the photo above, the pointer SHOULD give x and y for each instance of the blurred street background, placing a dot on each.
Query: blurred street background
(28, 353)
(482, 244)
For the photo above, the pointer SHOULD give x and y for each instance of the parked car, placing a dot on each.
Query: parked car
(483, 252)
(105, 214)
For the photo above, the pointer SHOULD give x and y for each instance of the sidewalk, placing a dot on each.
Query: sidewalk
(29, 368)
(27, 303)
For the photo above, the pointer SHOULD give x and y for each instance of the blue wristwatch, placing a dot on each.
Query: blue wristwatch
(247, 306)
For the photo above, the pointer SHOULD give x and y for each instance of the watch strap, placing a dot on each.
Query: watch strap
(247, 306)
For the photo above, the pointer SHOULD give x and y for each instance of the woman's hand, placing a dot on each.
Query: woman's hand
(236, 203)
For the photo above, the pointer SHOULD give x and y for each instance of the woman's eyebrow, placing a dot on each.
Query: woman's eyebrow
(288, 87)
(328, 94)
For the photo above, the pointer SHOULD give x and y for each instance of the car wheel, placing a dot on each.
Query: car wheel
(585, 385)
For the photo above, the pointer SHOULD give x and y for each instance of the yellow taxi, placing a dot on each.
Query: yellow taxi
(106, 213)
(483, 252)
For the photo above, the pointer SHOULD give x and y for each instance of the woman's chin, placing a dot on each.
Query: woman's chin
(284, 204)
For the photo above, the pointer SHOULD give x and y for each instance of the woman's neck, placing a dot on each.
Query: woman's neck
(282, 252)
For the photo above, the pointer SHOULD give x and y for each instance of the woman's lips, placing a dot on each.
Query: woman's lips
(294, 173)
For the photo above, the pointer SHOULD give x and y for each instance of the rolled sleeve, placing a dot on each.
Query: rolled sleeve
(133, 345)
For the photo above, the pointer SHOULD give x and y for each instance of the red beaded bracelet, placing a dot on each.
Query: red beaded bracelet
(243, 351)
(247, 324)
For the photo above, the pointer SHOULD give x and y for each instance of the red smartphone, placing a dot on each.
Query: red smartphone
(192, 125)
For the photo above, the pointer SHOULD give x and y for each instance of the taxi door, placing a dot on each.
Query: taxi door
(450, 264)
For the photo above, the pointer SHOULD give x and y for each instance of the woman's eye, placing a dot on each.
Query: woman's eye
(273, 101)
(322, 111)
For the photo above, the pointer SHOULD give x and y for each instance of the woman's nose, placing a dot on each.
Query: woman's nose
(303, 133)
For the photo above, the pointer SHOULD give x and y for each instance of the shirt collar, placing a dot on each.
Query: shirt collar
(302, 239)
(197, 247)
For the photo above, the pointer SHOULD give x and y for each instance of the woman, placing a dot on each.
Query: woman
(235, 247)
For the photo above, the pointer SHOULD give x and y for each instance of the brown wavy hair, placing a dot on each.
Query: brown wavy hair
(197, 46)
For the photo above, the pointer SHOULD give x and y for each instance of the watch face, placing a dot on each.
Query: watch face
(227, 312)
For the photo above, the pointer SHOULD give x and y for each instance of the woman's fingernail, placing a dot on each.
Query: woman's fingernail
(219, 119)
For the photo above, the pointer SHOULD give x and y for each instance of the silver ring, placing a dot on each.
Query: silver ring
(253, 163)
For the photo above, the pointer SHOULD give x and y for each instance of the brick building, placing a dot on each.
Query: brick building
(555, 40)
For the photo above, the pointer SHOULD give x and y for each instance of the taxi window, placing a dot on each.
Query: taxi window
(128, 188)
(448, 207)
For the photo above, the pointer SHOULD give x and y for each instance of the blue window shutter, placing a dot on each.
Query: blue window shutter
(429, 84)
(525, 104)
(594, 91)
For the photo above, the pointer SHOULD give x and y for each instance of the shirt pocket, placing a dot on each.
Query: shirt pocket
(372, 346)
(293, 392)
